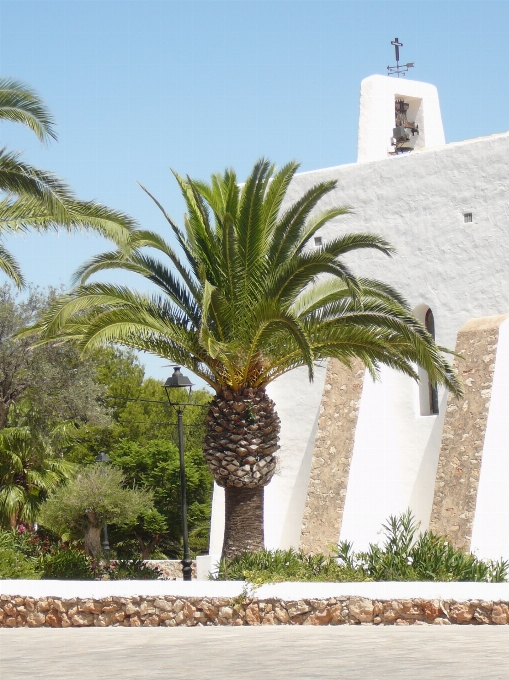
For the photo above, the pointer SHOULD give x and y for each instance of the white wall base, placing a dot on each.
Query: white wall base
(207, 565)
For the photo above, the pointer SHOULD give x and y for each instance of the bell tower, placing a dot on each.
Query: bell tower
(397, 116)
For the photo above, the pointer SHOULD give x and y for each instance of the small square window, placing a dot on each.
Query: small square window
(318, 241)
(467, 217)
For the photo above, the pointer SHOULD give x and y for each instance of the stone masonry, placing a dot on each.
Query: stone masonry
(332, 455)
(460, 458)
(28, 612)
(170, 570)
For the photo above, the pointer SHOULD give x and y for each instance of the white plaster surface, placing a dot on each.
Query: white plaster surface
(297, 402)
(389, 590)
(458, 269)
(417, 202)
(217, 521)
(490, 532)
(207, 566)
(391, 469)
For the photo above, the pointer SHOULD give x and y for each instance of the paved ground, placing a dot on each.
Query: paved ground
(300, 652)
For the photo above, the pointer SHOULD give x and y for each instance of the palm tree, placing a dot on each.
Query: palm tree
(248, 302)
(34, 198)
(30, 469)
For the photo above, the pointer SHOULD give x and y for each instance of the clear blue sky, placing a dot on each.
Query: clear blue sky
(140, 86)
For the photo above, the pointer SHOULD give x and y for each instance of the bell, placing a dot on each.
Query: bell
(400, 132)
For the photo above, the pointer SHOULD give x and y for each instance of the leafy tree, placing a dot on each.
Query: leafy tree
(248, 302)
(141, 439)
(40, 387)
(150, 528)
(155, 467)
(36, 198)
(138, 408)
(144, 420)
(96, 495)
(29, 471)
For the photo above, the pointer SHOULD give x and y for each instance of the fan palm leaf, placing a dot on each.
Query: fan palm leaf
(29, 471)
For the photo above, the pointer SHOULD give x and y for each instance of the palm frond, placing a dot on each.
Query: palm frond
(247, 300)
(20, 104)
(10, 267)
(290, 224)
(22, 179)
(30, 212)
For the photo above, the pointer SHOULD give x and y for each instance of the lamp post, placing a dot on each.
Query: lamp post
(104, 458)
(178, 380)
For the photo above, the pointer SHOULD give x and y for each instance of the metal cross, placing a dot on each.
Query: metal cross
(398, 70)
(397, 45)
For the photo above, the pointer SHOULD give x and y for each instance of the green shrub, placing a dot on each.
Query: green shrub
(131, 570)
(404, 556)
(13, 564)
(429, 557)
(271, 566)
(67, 564)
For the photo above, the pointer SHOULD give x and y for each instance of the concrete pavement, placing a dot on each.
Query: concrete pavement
(281, 653)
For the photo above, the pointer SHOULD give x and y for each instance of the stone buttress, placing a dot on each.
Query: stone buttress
(332, 455)
(461, 453)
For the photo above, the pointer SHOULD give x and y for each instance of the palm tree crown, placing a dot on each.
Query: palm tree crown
(29, 471)
(250, 300)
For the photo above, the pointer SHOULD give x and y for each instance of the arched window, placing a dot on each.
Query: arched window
(428, 392)
(429, 322)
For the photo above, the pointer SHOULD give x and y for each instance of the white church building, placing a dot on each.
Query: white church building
(354, 451)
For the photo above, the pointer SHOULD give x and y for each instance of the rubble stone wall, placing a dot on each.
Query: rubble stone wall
(332, 455)
(460, 458)
(56, 612)
(170, 570)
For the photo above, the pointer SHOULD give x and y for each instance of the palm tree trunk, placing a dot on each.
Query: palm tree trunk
(240, 447)
(243, 521)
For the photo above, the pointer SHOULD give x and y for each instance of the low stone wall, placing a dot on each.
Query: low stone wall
(19, 611)
(60, 604)
(170, 569)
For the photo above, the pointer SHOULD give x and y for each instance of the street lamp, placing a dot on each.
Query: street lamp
(178, 380)
(104, 458)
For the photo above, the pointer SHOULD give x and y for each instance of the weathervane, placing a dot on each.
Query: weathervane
(398, 70)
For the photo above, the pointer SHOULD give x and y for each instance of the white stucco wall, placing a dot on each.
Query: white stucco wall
(490, 532)
(375, 590)
(297, 402)
(394, 459)
(458, 269)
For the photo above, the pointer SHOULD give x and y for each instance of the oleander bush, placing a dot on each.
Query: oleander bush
(405, 555)
(271, 566)
(28, 554)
